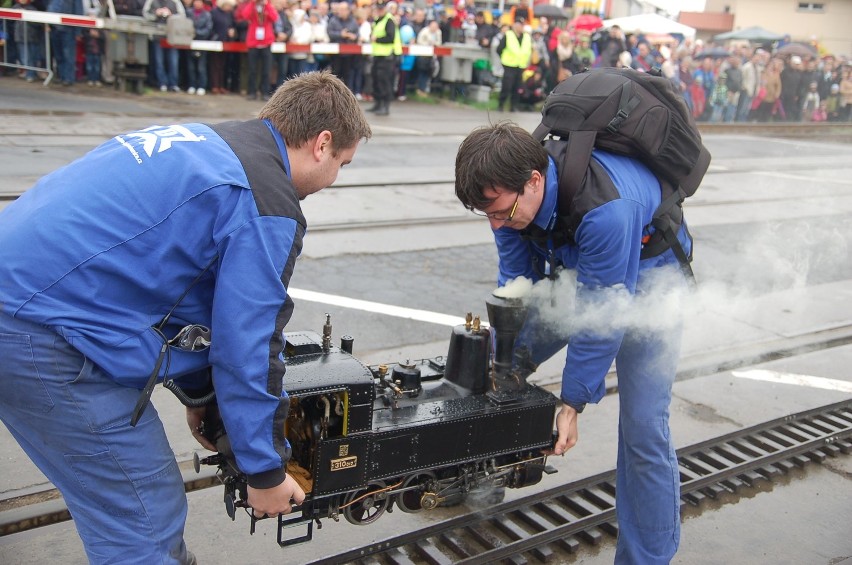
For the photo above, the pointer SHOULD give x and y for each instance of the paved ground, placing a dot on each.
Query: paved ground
(773, 229)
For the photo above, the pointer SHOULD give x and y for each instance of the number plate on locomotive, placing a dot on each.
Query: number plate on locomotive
(344, 463)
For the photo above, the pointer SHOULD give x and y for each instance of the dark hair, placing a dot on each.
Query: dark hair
(501, 155)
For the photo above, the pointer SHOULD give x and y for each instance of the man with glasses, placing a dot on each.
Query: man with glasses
(503, 173)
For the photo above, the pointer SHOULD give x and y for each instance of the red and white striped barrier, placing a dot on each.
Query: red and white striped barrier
(51, 18)
(220, 46)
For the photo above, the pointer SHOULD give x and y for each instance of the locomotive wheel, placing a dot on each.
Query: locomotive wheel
(366, 506)
(411, 501)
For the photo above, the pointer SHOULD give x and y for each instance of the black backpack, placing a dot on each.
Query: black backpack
(629, 113)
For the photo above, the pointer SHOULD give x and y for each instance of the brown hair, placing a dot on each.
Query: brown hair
(501, 155)
(310, 103)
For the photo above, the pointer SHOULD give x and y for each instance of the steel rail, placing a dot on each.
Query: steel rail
(583, 509)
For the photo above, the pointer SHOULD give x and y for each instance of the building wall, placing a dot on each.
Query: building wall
(832, 27)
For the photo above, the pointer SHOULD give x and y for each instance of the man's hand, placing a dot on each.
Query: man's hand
(276, 500)
(195, 420)
(566, 427)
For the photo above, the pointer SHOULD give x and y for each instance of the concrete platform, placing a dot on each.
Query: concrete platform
(773, 230)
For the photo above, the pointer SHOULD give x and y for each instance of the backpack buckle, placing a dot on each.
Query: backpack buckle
(615, 123)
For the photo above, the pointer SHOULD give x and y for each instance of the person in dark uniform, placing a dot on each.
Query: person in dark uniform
(387, 46)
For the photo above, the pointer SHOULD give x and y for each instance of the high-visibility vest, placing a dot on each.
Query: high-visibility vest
(514, 54)
(380, 31)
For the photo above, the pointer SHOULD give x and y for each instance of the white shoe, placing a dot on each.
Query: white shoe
(164, 88)
(401, 98)
(176, 89)
(200, 92)
(190, 90)
(359, 97)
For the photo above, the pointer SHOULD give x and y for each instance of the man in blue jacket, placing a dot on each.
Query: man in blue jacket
(502, 172)
(106, 259)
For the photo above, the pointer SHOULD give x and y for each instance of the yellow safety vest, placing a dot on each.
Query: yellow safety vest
(386, 49)
(515, 55)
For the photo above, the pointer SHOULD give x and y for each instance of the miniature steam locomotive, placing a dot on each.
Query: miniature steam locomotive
(416, 435)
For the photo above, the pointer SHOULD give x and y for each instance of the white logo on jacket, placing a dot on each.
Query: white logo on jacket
(159, 138)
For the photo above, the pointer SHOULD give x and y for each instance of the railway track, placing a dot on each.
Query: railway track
(540, 527)
(39, 506)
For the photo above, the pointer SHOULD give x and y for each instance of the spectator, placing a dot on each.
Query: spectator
(532, 88)
(584, 50)
(811, 105)
(261, 17)
(791, 89)
(363, 64)
(698, 97)
(708, 79)
(769, 91)
(846, 94)
(283, 31)
(833, 106)
(319, 34)
(567, 61)
(225, 31)
(64, 40)
(197, 63)
(27, 36)
(343, 29)
(386, 45)
(428, 36)
(515, 51)
(406, 63)
(642, 60)
(94, 46)
(165, 58)
(302, 35)
(734, 83)
(719, 98)
(751, 72)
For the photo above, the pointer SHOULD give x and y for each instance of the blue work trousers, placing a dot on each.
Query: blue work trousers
(121, 484)
(647, 476)
(647, 491)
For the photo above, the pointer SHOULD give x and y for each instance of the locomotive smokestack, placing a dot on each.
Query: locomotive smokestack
(506, 316)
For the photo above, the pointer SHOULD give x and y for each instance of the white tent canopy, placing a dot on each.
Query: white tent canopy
(650, 23)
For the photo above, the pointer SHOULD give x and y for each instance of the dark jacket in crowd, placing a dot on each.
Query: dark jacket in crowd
(337, 25)
(222, 22)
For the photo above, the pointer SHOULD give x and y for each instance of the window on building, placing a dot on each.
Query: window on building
(811, 7)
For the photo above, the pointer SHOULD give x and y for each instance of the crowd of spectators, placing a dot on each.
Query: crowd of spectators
(737, 82)
(720, 83)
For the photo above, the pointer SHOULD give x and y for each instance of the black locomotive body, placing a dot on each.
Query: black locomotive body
(409, 435)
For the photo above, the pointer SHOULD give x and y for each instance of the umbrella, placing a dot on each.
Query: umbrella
(713, 53)
(589, 22)
(549, 11)
(755, 33)
(800, 49)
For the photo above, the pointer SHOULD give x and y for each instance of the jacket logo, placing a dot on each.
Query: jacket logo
(157, 139)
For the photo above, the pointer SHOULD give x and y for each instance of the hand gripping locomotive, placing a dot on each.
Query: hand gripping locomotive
(415, 435)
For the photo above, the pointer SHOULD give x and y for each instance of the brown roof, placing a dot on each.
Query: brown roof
(708, 21)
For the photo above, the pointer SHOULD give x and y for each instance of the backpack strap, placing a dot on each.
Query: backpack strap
(665, 234)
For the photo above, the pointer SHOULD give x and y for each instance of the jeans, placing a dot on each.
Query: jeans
(64, 40)
(93, 67)
(165, 64)
(121, 484)
(197, 69)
